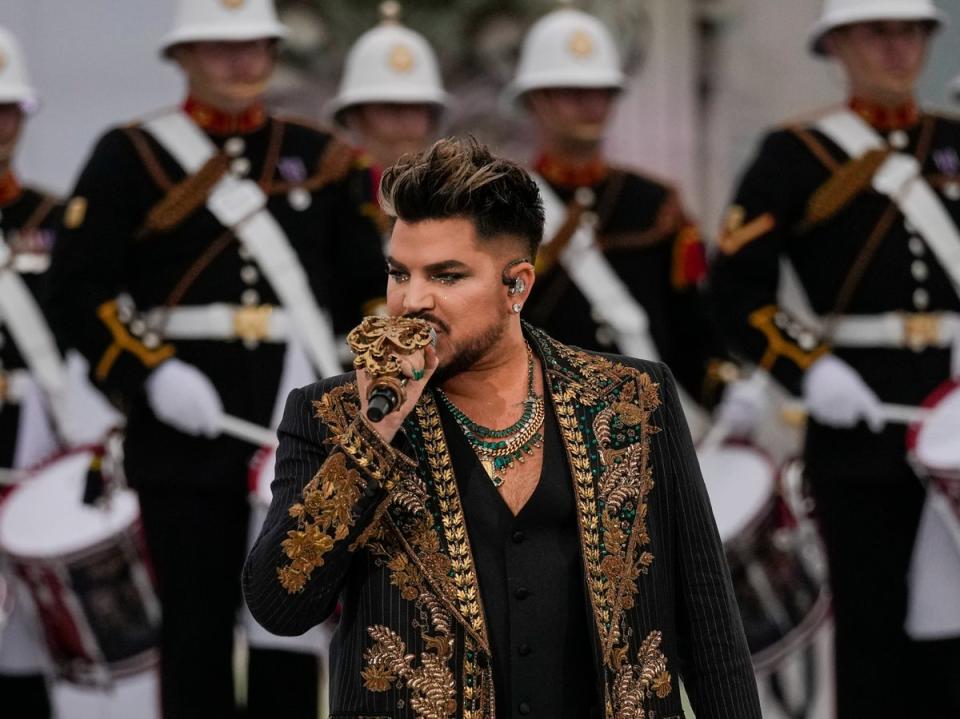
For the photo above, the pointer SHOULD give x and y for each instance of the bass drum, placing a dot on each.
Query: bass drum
(774, 558)
(86, 570)
(933, 446)
(316, 640)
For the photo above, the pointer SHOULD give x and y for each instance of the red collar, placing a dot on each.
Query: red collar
(10, 189)
(564, 174)
(885, 118)
(217, 122)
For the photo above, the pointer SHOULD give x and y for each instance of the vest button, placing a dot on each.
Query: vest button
(524, 650)
(518, 537)
(523, 708)
(521, 593)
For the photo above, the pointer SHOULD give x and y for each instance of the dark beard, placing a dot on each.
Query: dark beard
(468, 356)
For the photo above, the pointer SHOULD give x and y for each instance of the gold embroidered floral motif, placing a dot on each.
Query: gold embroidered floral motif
(433, 693)
(324, 517)
(634, 684)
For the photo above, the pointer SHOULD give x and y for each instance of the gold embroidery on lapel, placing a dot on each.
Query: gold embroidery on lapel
(464, 576)
(634, 684)
(604, 411)
(433, 692)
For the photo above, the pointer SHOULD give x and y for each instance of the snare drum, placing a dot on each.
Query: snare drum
(316, 640)
(933, 446)
(86, 571)
(777, 578)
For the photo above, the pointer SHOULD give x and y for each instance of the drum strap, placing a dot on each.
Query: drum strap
(597, 281)
(240, 205)
(31, 333)
(609, 298)
(900, 178)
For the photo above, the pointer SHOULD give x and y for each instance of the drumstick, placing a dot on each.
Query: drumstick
(903, 414)
(248, 431)
(891, 413)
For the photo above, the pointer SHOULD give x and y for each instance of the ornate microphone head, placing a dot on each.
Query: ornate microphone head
(378, 341)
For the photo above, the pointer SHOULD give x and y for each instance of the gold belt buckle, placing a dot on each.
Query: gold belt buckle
(252, 324)
(921, 331)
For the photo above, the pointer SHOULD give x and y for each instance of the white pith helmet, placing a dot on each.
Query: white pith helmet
(837, 13)
(223, 20)
(389, 63)
(566, 48)
(15, 85)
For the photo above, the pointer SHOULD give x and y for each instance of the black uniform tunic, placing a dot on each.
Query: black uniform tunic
(138, 226)
(531, 583)
(854, 253)
(657, 253)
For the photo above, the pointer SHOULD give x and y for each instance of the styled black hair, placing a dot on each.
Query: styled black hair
(459, 178)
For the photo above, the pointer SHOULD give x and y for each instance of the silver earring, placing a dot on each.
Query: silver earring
(517, 307)
(518, 287)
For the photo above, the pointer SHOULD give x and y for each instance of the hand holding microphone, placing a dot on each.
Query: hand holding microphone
(395, 358)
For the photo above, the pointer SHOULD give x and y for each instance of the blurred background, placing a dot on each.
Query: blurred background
(707, 76)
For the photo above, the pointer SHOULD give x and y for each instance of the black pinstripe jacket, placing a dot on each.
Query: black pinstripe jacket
(381, 529)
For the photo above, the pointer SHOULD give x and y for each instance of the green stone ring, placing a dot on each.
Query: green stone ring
(418, 374)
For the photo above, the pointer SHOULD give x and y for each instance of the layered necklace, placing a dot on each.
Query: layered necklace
(499, 449)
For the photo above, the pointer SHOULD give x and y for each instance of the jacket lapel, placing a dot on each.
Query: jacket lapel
(604, 412)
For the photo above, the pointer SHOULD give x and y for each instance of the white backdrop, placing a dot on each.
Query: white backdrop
(94, 63)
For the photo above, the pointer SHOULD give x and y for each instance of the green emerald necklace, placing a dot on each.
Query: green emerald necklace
(499, 449)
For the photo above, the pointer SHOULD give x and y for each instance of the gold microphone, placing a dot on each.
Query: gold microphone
(378, 343)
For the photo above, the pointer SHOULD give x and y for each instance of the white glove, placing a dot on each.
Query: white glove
(185, 398)
(744, 404)
(836, 395)
(87, 417)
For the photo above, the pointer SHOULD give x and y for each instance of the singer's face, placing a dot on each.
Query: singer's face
(440, 272)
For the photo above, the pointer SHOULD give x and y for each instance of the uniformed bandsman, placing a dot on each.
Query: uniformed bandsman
(838, 272)
(27, 220)
(47, 405)
(211, 253)
(621, 263)
(391, 98)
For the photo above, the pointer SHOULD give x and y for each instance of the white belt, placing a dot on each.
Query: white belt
(219, 321)
(916, 331)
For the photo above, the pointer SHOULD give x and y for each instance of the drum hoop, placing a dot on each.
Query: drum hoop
(913, 431)
(771, 657)
(135, 526)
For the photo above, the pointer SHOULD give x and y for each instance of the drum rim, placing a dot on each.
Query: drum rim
(915, 430)
(769, 658)
(123, 494)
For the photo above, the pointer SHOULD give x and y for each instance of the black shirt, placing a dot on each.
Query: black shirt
(531, 583)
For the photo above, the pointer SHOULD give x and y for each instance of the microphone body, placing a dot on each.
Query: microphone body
(382, 402)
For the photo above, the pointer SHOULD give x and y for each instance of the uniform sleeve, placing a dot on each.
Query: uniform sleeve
(691, 344)
(715, 662)
(89, 267)
(697, 354)
(327, 490)
(769, 206)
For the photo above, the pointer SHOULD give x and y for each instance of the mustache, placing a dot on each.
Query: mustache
(432, 319)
